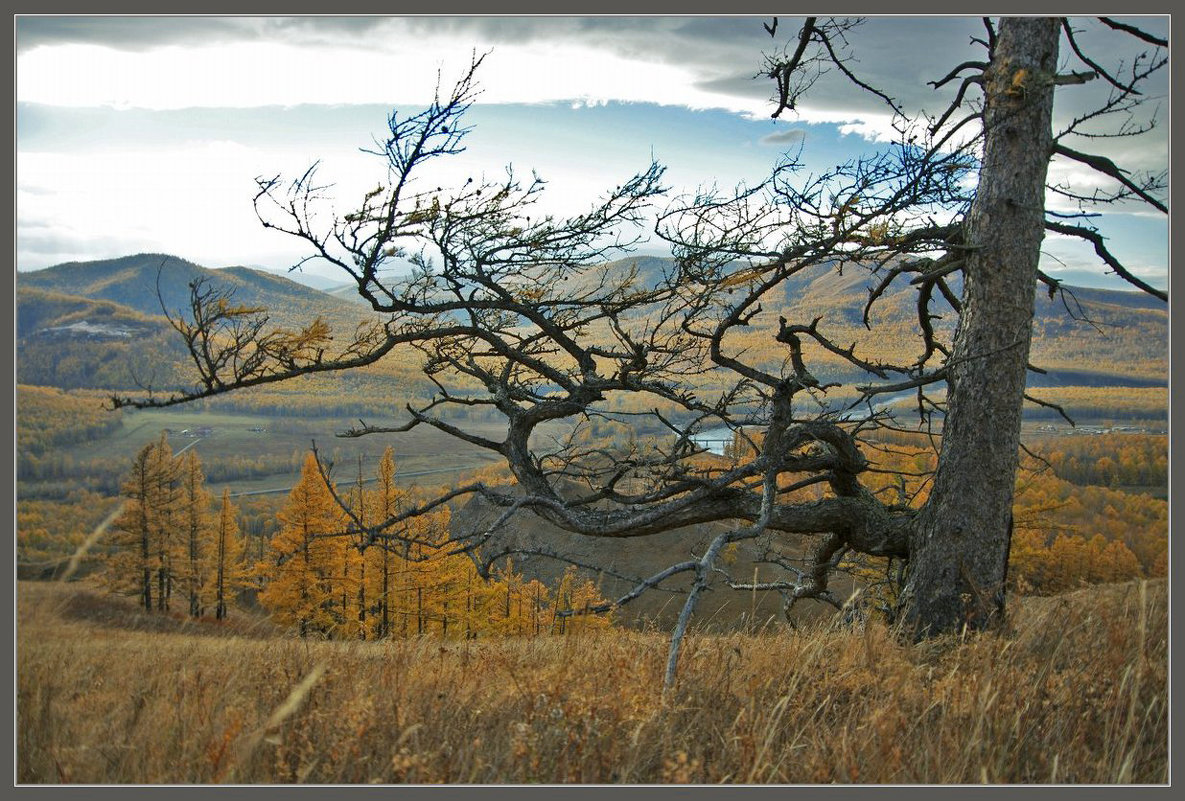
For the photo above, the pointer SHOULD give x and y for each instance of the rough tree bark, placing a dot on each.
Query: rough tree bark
(959, 544)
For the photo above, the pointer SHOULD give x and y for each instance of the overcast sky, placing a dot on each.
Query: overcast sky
(146, 134)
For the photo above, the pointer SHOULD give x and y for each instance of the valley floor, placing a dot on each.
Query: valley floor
(1073, 691)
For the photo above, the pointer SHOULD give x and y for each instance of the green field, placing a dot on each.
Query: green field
(239, 436)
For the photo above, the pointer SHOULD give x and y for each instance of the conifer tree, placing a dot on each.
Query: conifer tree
(512, 606)
(353, 579)
(229, 572)
(430, 572)
(166, 502)
(572, 602)
(385, 503)
(355, 567)
(195, 559)
(304, 556)
(360, 502)
(143, 530)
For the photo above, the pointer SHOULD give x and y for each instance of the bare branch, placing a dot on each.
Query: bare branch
(1136, 32)
(1096, 69)
(1050, 405)
(1107, 167)
(1096, 239)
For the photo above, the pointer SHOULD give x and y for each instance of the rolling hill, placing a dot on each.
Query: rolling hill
(71, 342)
(100, 324)
(133, 281)
(1088, 337)
(87, 314)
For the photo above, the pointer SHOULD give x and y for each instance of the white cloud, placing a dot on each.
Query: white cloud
(1081, 180)
(694, 62)
(245, 74)
(192, 198)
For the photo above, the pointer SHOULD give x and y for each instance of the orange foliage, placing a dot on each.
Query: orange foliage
(409, 579)
(305, 558)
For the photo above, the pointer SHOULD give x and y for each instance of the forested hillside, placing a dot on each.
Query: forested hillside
(101, 324)
(133, 281)
(85, 329)
(74, 322)
(72, 342)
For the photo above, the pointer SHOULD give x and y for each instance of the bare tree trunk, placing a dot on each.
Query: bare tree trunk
(146, 589)
(362, 558)
(194, 600)
(145, 538)
(220, 600)
(386, 620)
(362, 597)
(959, 547)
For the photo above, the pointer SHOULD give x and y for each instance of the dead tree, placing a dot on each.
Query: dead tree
(522, 313)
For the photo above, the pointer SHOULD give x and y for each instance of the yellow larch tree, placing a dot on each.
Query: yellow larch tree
(142, 533)
(514, 606)
(430, 575)
(195, 550)
(416, 587)
(305, 558)
(230, 572)
(572, 602)
(359, 564)
(347, 576)
(388, 558)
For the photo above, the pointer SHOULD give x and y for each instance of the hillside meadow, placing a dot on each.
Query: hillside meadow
(1073, 690)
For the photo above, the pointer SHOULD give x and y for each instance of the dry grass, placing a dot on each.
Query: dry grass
(1073, 692)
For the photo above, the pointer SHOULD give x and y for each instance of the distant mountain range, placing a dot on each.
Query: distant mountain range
(302, 277)
(1086, 337)
(100, 324)
(133, 281)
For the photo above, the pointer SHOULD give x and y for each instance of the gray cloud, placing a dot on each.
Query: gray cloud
(898, 54)
(43, 244)
(126, 33)
(792, 137)
(140, 33)
(757, 87)
(662, 35)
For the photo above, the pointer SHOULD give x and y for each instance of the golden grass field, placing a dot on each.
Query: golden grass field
(1074, 690)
